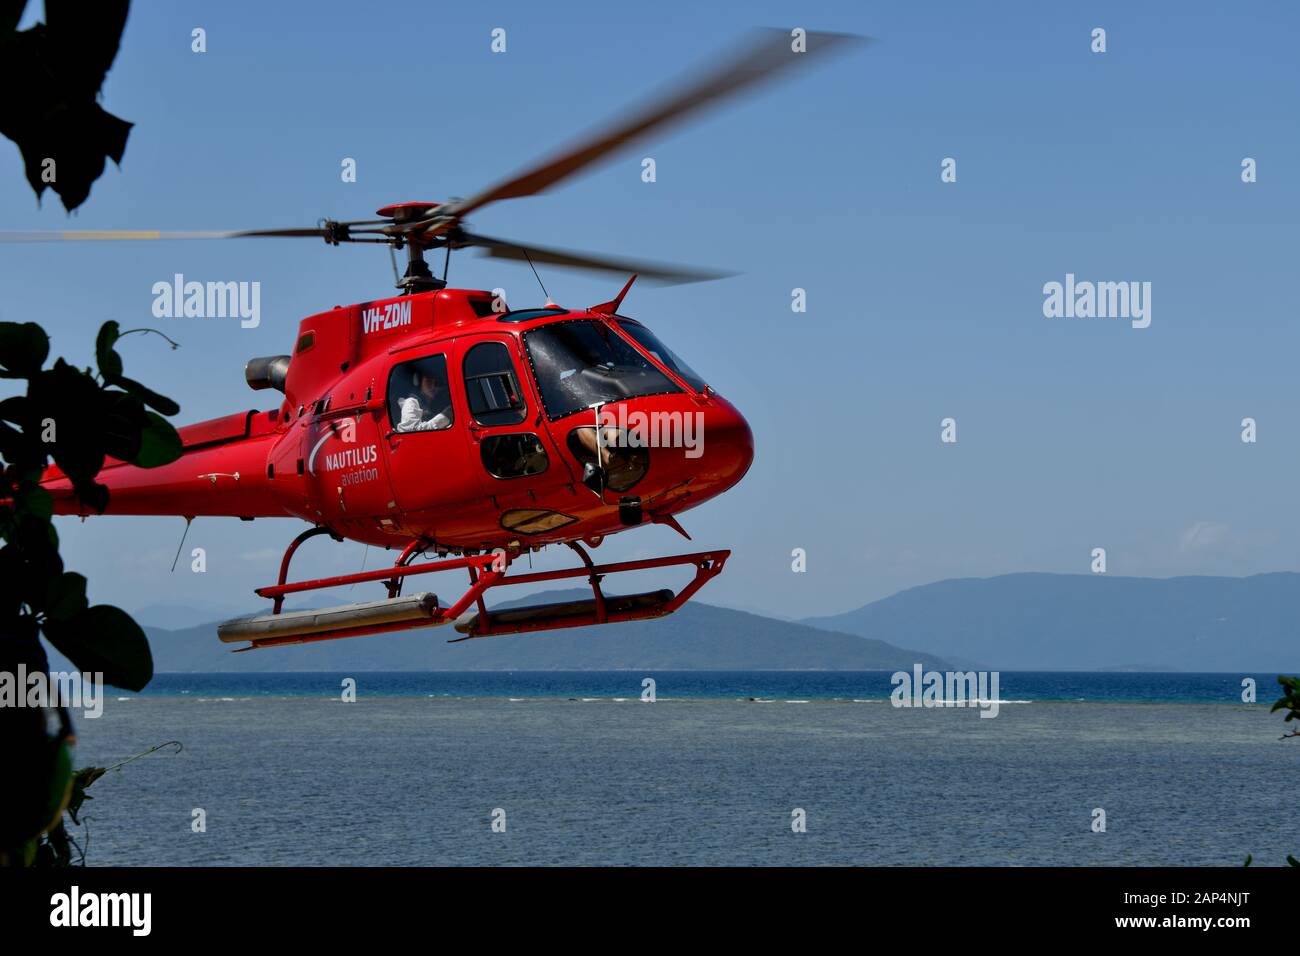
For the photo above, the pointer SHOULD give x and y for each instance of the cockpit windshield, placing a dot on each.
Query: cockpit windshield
(650, 342)
(581, 362)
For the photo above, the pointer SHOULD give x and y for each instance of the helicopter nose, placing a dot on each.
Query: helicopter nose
(727, 447)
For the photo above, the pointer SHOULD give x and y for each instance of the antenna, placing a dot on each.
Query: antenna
(184, 533)
(535, 275)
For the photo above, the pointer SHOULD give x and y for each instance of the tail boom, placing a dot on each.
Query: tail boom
(222, 471)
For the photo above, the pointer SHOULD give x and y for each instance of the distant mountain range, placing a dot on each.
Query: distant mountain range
(1010, 622)
(1093, 622)
(698, 637)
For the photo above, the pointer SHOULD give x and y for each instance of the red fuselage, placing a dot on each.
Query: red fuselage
(434, 418)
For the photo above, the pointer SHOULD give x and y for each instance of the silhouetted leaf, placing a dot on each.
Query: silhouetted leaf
(66, 596)
(109, 362)
(37, 502)
(123, 421)
(52, 74)
(36, 546)
(1290, 700)
(23, 349)
(160, 443)
(159, 403)
(105, 639)
(93, 495)
(83, 421)
(14, 409)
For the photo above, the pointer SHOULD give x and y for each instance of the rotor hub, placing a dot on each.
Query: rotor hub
(401, 212)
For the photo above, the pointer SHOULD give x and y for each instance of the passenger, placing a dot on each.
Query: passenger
(418, 411)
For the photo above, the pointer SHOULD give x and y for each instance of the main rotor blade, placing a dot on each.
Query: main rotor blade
(98, 235)
(766, 55)
(662, 273)
(80, 235)
(316, 233)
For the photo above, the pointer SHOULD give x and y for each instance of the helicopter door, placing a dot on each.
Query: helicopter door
(340, 457)
(513, 448)
(428, 462)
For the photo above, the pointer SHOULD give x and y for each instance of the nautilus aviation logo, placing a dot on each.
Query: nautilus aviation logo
(359, 463)
(350, 458)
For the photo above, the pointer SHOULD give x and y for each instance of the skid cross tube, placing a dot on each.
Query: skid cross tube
(592, 577)
(487, 571)
(380, 574)
(288, 556)
(408, 555)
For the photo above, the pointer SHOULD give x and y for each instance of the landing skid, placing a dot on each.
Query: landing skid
(469, 614)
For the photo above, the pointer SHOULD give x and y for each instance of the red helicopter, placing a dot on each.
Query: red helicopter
(444, 424)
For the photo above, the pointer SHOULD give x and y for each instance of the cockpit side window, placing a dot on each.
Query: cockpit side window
(418, 396)
(579, 363)
(491, 386)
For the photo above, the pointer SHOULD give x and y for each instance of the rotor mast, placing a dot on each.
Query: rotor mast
(418, 277)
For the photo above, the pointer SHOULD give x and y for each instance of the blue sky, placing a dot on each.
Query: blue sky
(924, 298)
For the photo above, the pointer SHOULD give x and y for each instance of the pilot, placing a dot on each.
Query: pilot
(428, 409)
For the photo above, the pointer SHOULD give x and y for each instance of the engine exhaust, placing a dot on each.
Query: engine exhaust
(267, 372)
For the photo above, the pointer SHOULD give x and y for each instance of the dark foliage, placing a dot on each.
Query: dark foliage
(78, 419)
(51, 75)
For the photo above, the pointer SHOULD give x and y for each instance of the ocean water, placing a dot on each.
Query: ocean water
(583, 772)
(819, 685)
